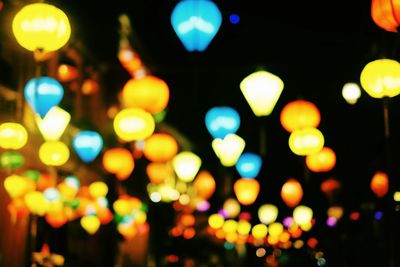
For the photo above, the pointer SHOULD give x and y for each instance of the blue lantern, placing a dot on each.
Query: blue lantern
(249, 165)
(221, 121)
(42, 94)
(196, 22)
(87, 145)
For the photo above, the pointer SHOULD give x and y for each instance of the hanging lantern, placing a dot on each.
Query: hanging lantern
(262, 90)
(53, 125)
(56, 219)
(87, 145)
(196, 22)
(16, 186)
(37, 203)
(249, 165)
(267, 213)
(67, 73)
(381, 78)
(90, 223)
(98, 189)
(246, 190)
(259, 231)
(306, 141)
(323, 161)
(386, 14)
(159, 172)
(300, 114)
(302, 215)
(216, 221)
(351, 92)
(186, 165)
(119, 161)
(41, 27)
(275, 229)
(53, 153)
(42, 94)
(231, 208)
(11, 160)
(229, 149)
(221, 121)
(292, 193)
(12, 135)
(204, 184)
(133, 124)
(160, 147)
(380, 184)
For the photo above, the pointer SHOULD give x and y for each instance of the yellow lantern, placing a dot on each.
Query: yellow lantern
(53, 125)
(54, 153)
(351, 93)
(229, 149)
(160, 147)
(243, 227)
(230, 226)
(90, 223)
(98, 189)
(37, 203)
(302, 215)
(12, 135)
(267, 213)
(306, 141)
(41, 27)
(133, 124)
(216, 221)
(323, 161)
(231, 208)
(246, 190)
(122, 207)
(275, 229)
(259, 231)
(16, 186)
(262, 90)
(381, 78)
(186, 165)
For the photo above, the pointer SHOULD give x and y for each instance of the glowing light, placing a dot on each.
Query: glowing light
(331, 221)
(16, 186)
(90, 223)
(259, 231)
(378, 215)
(53, 125)
(221, 121)
(230, 226)
(133, 124)
(244, 227)
(186, 165)
(67, 73)
(160, 147)
(231, 208)
(396, 196)
(275, 229)
(300, 114)
(98, 189)
(351, 92)
(216, 221)
(229, 149)
(306, 141)
(54, 153)
(234, 18)
(267, 213)
(205, 184)
(155, 197)
(37, 203)
(12, 135)
(323, 161)
(292, 193)
(385, 14)
(11, 160)
(246, 190)
(249, 165)
(119, 161)
(87, 145)
(302, 215)
(380, 184)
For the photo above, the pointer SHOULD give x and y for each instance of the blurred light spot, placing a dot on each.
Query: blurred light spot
(298, 244)
(396, 196)
(331, 221)
(354, 216)
(288, 221)
(321, 262)
(203, 206)
(234, 18)
(378, 215)
(228, 245)
(260, 252)
(155, 197)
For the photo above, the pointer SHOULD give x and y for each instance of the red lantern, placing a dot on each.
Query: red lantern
(246, 190)
(204, 184)
(292, 193)
(300, 114)
(386, 14)
(380, 184)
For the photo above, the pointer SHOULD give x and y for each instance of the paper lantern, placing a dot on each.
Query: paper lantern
(90, 223)
(229, 149)
(41, 26)
(302, 215)
(56, 219)
(149, 93)
(196, 22)
(299, 114)
(133, 124)
(380, 184)
(246, 190)
(267, 213)
(87, 145)
(275, 229)
(386, 14)
(230, 226)
(292, 193)
(381, 78)
(259, 231)
(16, 186)
(67, 73)
(53, 125)
(11, 160)
(37, 203)
(323, 161)
(216, 221)
(160, 147)
(119, 161)
(98, 189)
(221, 121)
(54, 153)
(186, 165)
(244, 227)
(159, 172)
(231, 208)
(351, 92)
(249, 165)
(204, 184)
(306, 141)
(262, 90)
(12, 135)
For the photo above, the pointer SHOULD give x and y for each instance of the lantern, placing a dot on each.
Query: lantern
(261, 91)
(302, 215)
(186, 165)
(229, 149)
(351, 92)
(267, 213)
(119, 161)
(380, 184)
(275, 229)
(90, 223)
(67, 73)
(56, 219)
(41, 27)
(246, 190)
(386, 14)
(244, 227)
(16, 186)
(196, 22)
(12, 135)
(159, 172)
(54, 153)
(249, 165)
(306, 141)
(300, 114)
(292, 193)
(221, 121)
(381, 78)
(216, 221)
(230, 226)
(204, 184)
(98, 189)
(160, 147)
(323, 161)
(133, 124)
(11, 160)
(231, 208)
(87, 145)
(37, 203)
(53, 125)
(259, 231)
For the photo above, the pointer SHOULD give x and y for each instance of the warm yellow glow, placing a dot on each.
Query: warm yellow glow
(335, 212)
(231, 237)
(90, 223)
(133, 124)
(259, 231)
(15, 185)
(53, 125)
(231, 208)
(216, 221)
(98, 189)
(12, 135)
(37, 203)
(306, 227)
(323, 161)
(230, 226)
(396, 196)
(141, 217)
(306, 141)
(246, 190)
(229, 149)
(244, 227)
(262, 90)
(351, 92)
(204, 184)
(275, 229)
(302, 215)
(186, 165)
(381, 78)
(267, 213)
(122, 207)
(54, 153)
(41, 26)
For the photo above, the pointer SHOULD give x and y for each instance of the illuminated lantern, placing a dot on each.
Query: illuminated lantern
(98, 189)
(323, 161)
(90, 223)
(229, 149)
(159, 172)
(90, 87)
(230, 226)
(275, 229)
(231, 208)
(244, 227)
(300, 114)
(160, 147)
(221, 121)
(54, 153)
(37, 203)
(204, 184)
(386, 14)
(41, 27)
(302, 215)
(53, 125)
(119, 161)
(292, 193)
(87, 145)
(11, 160)
(56, 219)
(380, 184)
(267, 213)
(246, 190)
(133, 124)
(249, 165)
(42, 94)
(16, 186)
(351, 92)
(149, 93)
(12, 135)
(216, 221)
(306, 141)
(67, 73)
(259, 231)
(381, 78)
(262, 90)
(186, 165)
(196, 22)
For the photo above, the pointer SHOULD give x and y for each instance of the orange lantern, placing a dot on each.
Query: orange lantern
(292, 193)
(56, 219)
(187, 220)
(149, 93)
(160, 147)
(380, 184)
(204, 184)
(386, 14)
(330, 186)
(323, 161)
(67, 73)
(246, 190)
(119, 161)
(300, 114)
(159, 172)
